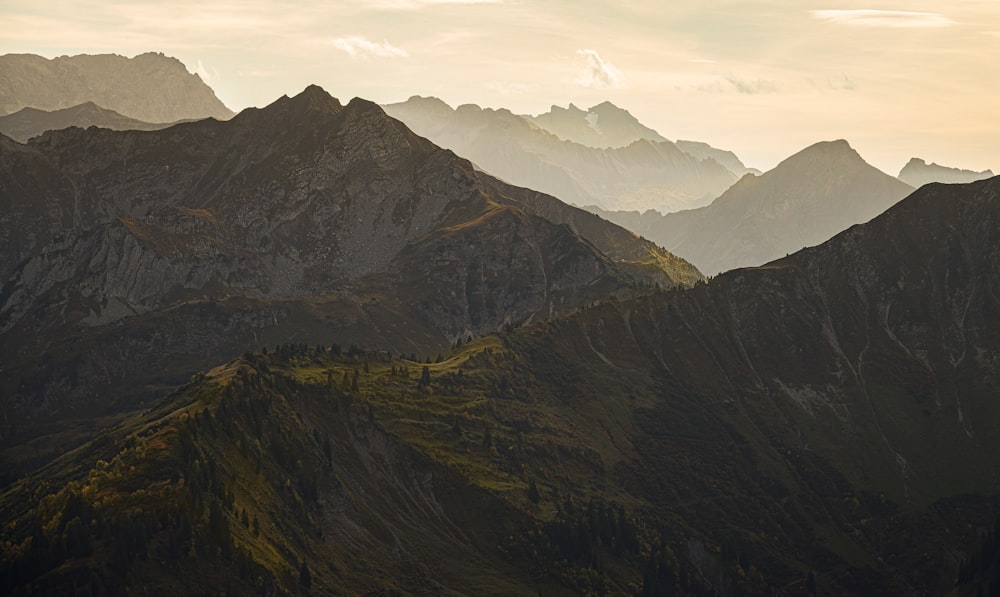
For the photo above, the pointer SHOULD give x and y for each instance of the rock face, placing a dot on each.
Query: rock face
(803, 201)
(917, 173)
(30, 122)
(150, 87)
(644, 174)
(301, 220)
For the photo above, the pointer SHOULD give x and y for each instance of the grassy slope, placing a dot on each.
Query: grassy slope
(392, 485)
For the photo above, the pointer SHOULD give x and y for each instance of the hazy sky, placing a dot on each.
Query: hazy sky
(762, 78)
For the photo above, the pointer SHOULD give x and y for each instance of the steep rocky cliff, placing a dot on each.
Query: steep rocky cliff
(150, 87)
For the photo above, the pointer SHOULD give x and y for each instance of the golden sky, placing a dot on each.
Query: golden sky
(898, 79)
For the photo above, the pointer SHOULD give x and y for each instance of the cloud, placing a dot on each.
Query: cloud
(361, 47)
(740, 85)
(598, 73)
(883, 18)
(415, 4)
(206, 75)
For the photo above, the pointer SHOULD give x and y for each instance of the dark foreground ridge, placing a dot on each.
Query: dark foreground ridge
(824, 424)
(133, 258)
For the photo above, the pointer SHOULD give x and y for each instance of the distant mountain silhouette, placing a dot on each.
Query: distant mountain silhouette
(150, 87)
(704, 151)
(603, 126)
(642, 175)
(803, 201)
(917, 173)
(606, 126)
(31, 122)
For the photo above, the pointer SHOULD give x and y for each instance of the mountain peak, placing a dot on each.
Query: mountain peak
(837, 152)
(312, 99)
(606, 105)
(315, 97)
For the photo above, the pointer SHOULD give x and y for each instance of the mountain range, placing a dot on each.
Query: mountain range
(305, 350)
(803, 201)
(644, 174)
(150, 87)
(131, 257)
(603, 126)
(606, 126)
(31, 122)
(819, 425)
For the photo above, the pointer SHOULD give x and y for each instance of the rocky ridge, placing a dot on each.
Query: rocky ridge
(150, 87)
(643, 174)
(132, 256)
(824, 424)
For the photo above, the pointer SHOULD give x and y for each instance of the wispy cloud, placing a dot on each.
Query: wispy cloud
(361, 47)
(752, 86)
(597, 72)
(731, 83)
(206, 75)
(415, 4)
(882, 18)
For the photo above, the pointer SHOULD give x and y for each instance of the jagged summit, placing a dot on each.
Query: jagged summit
(602, 126)
(312, 98)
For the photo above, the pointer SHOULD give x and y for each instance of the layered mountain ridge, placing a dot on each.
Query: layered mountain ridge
(917, 173)
(838, 400)
(131, 256)
(150, 87)
(606, 126)
(603, 126)
(643, 174)
(803, 201)
(31, 122)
